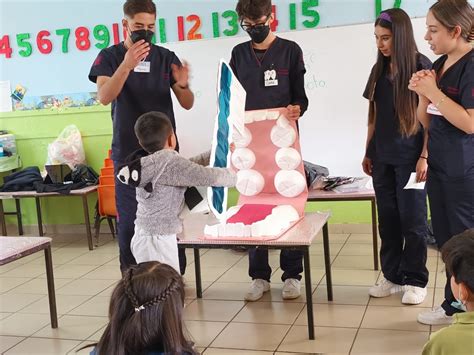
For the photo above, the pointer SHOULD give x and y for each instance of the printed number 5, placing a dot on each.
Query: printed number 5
(21, 39)
(308, 12)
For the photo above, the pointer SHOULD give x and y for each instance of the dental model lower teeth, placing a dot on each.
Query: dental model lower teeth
(289, 183)
(249, 182)
(243, 159)
(288, 158)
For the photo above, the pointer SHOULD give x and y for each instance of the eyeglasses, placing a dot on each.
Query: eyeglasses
(258, 26)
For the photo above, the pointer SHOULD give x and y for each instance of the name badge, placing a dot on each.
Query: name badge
(270, 78)
(433, 110)
(143, 67)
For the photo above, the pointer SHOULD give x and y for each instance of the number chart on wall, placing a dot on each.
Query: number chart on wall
(49, 46)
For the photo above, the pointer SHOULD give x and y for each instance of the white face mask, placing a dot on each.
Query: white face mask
(459, 304)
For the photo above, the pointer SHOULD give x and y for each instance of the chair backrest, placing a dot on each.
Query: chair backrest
(107, 180)
(108, 163)
(110, 154)
(107, 172)
(106, 194)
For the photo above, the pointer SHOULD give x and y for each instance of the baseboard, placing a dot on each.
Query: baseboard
(343, 228)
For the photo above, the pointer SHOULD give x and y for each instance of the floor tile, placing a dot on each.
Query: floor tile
(393, 318)
(64, 304)
(371, 341)
(96, 306)
(25, 270)
(39, 346)
(251, 336)
(355, 295)
(73, 328)
(67, 271)
(20, 324)
(269, 312)
(7, 342)
(203, 333)
(85, 287)
(359, 262)
(214, 351)
(8, 283)
(212, 310)
(104, 273)
(343, 277)
(10, 302)
(93, 258)
(39, 286)
(334, 315)
(328, 340)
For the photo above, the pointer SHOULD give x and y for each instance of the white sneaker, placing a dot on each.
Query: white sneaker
(435, 316)
(257, 289)
(384, 288)
(291, 289)
(414, 295)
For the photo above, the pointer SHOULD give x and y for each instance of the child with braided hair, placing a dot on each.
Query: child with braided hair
(146, 314)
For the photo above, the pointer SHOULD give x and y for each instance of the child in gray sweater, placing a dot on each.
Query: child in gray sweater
(161, 179)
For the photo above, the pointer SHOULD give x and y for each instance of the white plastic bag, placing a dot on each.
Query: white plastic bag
(67, 148)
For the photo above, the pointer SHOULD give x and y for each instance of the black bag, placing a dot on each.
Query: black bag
(313, 172)
(24, 180)
(84, 173)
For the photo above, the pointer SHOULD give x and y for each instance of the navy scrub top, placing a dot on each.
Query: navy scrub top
(141, 93)
(388, 145)
(451, 151)
(283, 56)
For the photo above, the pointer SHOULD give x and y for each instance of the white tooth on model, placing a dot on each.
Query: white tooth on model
(288, 158)
(289, 183)
(243, 159)
(249, 182)
(283, 137)
(242, 140)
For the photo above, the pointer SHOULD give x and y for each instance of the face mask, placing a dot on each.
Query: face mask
(138, 35)
(258, 34)
(458, 304)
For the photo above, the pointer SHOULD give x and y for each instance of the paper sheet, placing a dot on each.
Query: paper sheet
(5, 99)
(412, 184)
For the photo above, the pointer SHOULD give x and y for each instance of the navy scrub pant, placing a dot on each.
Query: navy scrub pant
(126, 202)
(291, 262)
(402, 216)
(452, 212)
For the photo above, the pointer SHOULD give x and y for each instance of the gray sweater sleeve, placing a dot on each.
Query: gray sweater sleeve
(180, 171)
(202, 159)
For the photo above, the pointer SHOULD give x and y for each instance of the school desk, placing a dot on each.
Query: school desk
(300, 237)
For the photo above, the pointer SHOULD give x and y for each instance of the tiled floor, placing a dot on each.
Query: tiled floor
(221, 322)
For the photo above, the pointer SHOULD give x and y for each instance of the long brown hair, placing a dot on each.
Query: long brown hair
(404, 64)
(452, 13)
(146, 313)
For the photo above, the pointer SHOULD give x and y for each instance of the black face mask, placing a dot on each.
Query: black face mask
(138, 35)
(258, 34)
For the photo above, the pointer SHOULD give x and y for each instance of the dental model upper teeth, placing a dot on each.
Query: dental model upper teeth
(249, 182)
(243, 159)
(289, 183)
(242, 140)
(282, 134)
(288, 158)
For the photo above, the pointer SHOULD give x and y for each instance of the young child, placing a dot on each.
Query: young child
(395, 148)
(146, 314)
(458, 256)
(271, 70)
(446, 109)
(161, 179)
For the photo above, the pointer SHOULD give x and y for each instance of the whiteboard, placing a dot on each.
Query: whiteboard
(338, 62)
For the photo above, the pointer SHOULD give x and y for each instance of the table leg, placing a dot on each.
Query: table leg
(327, 261)
(88, 222)
(197, 270)
(309, 293)
(51, 293)
(39, 216)
(2, 218)
(18, 216)
(374, 234)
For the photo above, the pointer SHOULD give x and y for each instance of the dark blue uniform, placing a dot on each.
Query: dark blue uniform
(402, 214)
(451, 162)
(141, 93)
(250, 65)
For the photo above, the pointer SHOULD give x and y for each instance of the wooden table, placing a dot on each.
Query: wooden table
(14, 248)
(17, 196)
(368, 195)
(300, 237)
